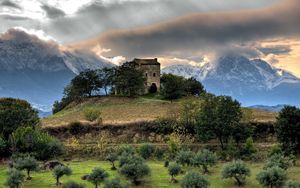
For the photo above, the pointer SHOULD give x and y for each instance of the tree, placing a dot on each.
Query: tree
(114, 183)
(97, 176)
(205, 158)
(134, 170)
(16, 113)
(237, 170)
(185, 157)
(112, 157)
(278, 160)
(174, 169)
(272, 177)
(106, 76)
(193, 87)
(129, 80)
(293, 184)
(15, 179)
(287, 129)
(92, 114)
(3, 147)
(172, 86)
(72, 184)
(195, 180)
(59, 171)
(217, 117)
(249, 150)
(27, 163)
(146, 150)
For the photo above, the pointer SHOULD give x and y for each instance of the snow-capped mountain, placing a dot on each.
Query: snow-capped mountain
(250, 81)
(38, 70)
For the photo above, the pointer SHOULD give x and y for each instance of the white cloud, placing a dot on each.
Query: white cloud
(39, 33)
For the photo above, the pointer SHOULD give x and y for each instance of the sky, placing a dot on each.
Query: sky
(175, 31)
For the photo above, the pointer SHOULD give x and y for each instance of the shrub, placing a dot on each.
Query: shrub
(75, 128)
(27, 163)
(60, 171)
(97, 176)
(249, 150)
(92, 114)
(3, 145)
(112, 157)
(159, 153)
(195, 180)
(125, 149)
(272, 177)
(278, 160)
(146, 150)
(15, 179)
(276, 149)
(293, 184)
(134, 170)
(237, 170)
(185, 157)
(114, 183)
(205, 158)
(127, 158)
(174, 169)
(72, 184)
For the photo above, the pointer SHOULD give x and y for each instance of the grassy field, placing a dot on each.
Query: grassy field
(159, 176)
(119, 110)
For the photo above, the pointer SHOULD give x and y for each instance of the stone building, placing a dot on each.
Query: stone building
(151, 68)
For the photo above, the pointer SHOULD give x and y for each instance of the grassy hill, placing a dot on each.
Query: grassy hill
(120, 110)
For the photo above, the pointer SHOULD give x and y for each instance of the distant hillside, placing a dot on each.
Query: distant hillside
(276, 108)
(119, 110)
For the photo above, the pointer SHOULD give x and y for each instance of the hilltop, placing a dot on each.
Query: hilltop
(122, 110)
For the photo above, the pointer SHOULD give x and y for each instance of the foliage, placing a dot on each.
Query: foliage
(241, 132)
(174, 145)
(112, 157)
(97, 176)
(126, 158)
(237, 170)
(114, 183)
(27, 163)
(15, 113)
(287, 129)
(128, 80)
(72, 184)
(125, 149)
(249, 150)
(205, 158)
(293, 184)
(185, 157)
(172, 86)
(195, 180)
(276, 149)
(92, 114)
(272, 177)
(3, 146)
(59, 171)
(35, 141)
(106, 76)
(75, 127)
(15, 179)
(278, 160)
(174, 169)
(193, 87)
(217, 117)
(146, 150)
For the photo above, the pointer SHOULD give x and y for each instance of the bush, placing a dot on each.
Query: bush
(278, 160)
(272, 177)
(112, 157)
(75, 128)
(159, 153)
(237, 170)
(72, 184)
(249, 150)
(174, 169)
(97, 176)
(125, 149)
(60, 171)
(27, 163)
(15, 179)
(3, 146)
(276, 149)
(126, 158)
(134, 170)
(293, 184)
(205, 158)
(185, 157)
(195, 180)
(146, 150)
(114, 183)
(92, 114)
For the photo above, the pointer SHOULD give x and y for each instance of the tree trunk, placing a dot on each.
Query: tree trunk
(238, 181)
(96, 186)
(57, 181)
(205, 170)
(28, 175)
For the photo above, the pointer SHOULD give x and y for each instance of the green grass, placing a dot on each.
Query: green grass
(159, 176)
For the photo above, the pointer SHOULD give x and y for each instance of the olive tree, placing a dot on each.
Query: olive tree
(237, 170)
(135, 170)
(174, 169)
(59, 171)
(146, 150)
(112, 158)
(293, 184)
(97, 176)
(194, 180)
(272, 177)
(185, 157)
(72, 184)
(278, 160)
(27, 163)
(15, 179)
(114, 183)
(205, 158)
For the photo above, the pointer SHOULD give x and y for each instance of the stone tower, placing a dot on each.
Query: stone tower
(151, 68)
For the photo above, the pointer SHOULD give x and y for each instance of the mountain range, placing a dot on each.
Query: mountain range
(250, 81)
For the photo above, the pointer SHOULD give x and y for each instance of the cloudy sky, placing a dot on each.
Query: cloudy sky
(176, 31)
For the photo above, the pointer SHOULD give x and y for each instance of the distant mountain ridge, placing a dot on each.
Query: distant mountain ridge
(276, 108)
(250, 81)
(37, 70)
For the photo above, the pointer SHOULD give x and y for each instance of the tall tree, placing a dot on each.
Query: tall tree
(172, 86)
(107, 76)
(193, 87)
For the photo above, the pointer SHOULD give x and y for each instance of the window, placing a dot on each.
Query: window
(146, 75)
(154, 74)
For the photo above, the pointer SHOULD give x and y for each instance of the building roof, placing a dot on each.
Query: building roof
(146, 61)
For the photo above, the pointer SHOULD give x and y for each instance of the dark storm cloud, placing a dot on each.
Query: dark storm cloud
(208, 31)
(277, 50)
(53, 12)
(11, 4)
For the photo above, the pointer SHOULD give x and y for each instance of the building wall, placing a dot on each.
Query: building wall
(152, 74)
